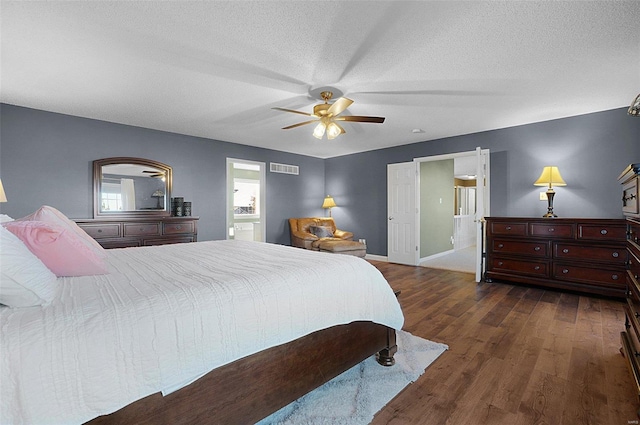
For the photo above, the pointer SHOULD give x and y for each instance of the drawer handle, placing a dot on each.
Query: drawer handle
(508, 227)
(178, 227)
(566, 250)
(603, 232)
(636, 314)
(565, 271)
(500, 263)
(536, 248)
(615, 255)
(99, 230)
(536, 268)
(500, 245)
(614, 277)
(551, 229)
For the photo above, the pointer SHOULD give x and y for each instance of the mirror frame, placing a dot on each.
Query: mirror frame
(97, 187)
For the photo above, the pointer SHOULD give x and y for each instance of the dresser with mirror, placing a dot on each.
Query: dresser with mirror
(132, 205)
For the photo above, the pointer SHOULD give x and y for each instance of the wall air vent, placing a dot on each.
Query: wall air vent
(284, 168)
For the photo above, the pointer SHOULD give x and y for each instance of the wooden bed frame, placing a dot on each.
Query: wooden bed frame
(249, 389)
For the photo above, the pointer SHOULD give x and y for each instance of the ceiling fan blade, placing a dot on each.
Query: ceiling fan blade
(339, 105)
(299, 124)
(292, 110)
(356, 118)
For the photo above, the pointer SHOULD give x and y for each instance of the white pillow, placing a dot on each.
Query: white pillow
(24, 280)
(4, 218)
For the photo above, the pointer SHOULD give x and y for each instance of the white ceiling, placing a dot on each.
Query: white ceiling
(215, 69)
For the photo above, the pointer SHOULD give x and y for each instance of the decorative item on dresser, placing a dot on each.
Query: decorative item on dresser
(140, 231)
(578, 254)
(630, 337)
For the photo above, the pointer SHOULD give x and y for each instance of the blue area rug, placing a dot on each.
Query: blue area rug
(353, 397)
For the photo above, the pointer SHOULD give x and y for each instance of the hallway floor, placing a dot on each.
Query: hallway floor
(462, 260)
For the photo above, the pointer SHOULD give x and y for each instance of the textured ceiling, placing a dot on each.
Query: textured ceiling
(215, 69)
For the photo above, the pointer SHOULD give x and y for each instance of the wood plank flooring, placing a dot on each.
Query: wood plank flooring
(517, 354)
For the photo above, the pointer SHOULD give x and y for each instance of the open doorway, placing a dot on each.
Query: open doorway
(245, 200)
(453, 198)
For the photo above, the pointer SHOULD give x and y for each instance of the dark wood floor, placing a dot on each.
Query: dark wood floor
(517, 355)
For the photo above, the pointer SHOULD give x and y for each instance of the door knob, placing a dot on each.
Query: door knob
(390, 218)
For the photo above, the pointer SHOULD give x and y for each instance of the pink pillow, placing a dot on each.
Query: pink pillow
(53, 216)
(61, 250)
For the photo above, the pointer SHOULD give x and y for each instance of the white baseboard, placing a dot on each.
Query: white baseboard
(440, 254)
(375, 257)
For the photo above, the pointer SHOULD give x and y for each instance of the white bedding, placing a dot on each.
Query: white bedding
(168, 314)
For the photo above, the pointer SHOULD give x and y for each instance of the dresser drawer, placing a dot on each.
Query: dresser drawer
(634, 233)
(634, 264)
(168, 241)
(514, 229)
(566, 251)
(532, 268)
(603, 233)
(177, 228)
(98, 231)
(551, 230)
(591, 275)
(141, 229)
(534, 249)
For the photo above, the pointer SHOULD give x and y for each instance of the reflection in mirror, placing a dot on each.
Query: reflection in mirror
(131, 186)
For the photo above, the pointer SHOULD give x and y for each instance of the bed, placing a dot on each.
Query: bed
(206, 332)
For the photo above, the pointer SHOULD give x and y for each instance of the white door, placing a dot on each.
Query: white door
(401, 213)
(482, 205)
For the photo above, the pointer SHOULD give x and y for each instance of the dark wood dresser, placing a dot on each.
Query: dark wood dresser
(141, 231)
(585, 255)
(630, 337)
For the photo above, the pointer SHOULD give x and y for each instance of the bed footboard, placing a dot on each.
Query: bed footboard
(251, 388)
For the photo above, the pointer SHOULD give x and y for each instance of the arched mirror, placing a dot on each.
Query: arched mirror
(131, 187)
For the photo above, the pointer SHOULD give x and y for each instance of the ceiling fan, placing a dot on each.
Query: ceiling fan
(327, 114)
(154, 173)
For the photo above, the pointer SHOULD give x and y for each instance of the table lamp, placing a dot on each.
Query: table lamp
(550, 176)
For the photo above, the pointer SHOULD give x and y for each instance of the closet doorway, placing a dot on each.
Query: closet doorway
(246, 200)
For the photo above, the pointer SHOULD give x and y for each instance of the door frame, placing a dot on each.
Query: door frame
(263, 195)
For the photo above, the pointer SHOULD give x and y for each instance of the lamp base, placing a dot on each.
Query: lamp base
(550, 194)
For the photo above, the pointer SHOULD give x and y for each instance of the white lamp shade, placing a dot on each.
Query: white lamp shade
(333, 131)
(318, 132)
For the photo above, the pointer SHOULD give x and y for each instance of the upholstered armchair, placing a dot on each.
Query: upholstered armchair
(309, 232)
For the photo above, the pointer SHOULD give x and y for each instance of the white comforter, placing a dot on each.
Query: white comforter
(165, 315)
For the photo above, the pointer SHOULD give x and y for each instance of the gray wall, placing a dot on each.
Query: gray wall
(46, 159)
(590, 150)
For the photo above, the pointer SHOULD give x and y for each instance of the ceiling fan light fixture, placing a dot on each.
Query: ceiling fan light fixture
(318, 132)
(333, 131)
(634, 109)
